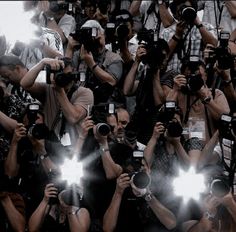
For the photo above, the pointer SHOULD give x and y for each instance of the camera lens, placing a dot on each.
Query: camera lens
(141, 180)
(188, 14)
(103, 129)
(195, 82)
(174, 129)
(219, 188)
(39, 131)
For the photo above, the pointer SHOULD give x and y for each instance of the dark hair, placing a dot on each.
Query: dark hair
(188, 63)
(123, 12)
(84, 3)
(10, 61)
(176, 3)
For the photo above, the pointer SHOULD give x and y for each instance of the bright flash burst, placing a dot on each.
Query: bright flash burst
(15, 23)
(189, 185)
(71, 171)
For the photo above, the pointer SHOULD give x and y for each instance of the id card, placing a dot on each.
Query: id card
(65, 139)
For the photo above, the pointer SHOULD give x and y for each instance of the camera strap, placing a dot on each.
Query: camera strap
(152, 9)
(189, 106)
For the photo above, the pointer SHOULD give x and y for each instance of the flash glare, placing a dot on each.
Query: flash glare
(15, 23)
(71, 171)
(189, 185)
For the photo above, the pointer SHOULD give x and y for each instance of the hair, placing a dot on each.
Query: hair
(93, 24)
(124, 12)
(176, 3)
(188, 63)
(10, 61)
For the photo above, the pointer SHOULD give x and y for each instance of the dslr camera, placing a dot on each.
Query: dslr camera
(221, 54)
(139, 178)
(227, 127)
(36, 130)
(194, 81)
(61, 79)
(149, 39)
(99, 114)
(86, 36)
(71, 195)
(166, 116)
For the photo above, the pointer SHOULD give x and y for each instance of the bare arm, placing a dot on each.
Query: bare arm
(166, 18)
(134, 7)
(15, 218)
(231, 6)
(7, 123)
(158, 93)
(111, 215)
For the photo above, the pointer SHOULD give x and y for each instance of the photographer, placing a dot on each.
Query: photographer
(55, 18)
(217, 214)
(103, 68)
(60, 216)
(180, 35)
(61, 95)
(146, 85)
(200, 105)
(135, 208)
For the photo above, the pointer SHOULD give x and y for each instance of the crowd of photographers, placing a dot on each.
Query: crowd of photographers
(134, 91)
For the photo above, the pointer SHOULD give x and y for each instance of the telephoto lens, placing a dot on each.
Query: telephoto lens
(140, 179)
(219, 187)
(39, 131)
(103, 129)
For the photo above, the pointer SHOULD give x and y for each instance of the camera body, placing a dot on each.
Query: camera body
(99, 114)
(149, 39)
(86, 36)
(166, 116)
(227, 127)
(36, 130)
(221, 54)
(139, 178)
(61, 79)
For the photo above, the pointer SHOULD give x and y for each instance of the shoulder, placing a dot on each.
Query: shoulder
(112, 56)
(84, 94)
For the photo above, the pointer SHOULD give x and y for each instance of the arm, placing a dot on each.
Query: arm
(158, 93)
(207, 36)
(231, 6)
(130, 84)
(166, 217)
(7, 123)
(230, 204)
(134, 7)
(11, 165)
(166, 18)
(97, 71)
(15, 218)
(216, 106)
(37, 218)
(149, 150)
(111, 215)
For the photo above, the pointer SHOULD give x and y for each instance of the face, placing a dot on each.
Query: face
(112, 121)
(123, 119)
(89, 9)
(38, 120)
(11, 75)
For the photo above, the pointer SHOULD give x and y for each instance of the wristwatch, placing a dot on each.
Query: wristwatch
(148, 197)
(50, 18)
(206, 100)
(42, 157)
(160, 2)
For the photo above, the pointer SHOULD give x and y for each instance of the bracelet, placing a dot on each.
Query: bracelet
(199, 25)
(73, 212)
(175, 38)
(94, 67)
(103, 149)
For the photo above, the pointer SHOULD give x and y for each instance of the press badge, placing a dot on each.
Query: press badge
(65, 139)
(197, 128)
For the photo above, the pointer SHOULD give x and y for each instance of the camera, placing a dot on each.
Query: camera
(154, 48)
(227, 127)
(99, 114)
(188, 14)
(61, 79)
(86, 36)
(139, 178)
(36, 130)
(221, 54)
(194, 79)
(166, 116)
(219, 186)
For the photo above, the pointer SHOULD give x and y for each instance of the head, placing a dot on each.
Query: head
(124, 21)
(177, 7)
(89, 7)
(123, 120)
(58, 8)
(112, 122)
(99, 39)
(12, 69)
